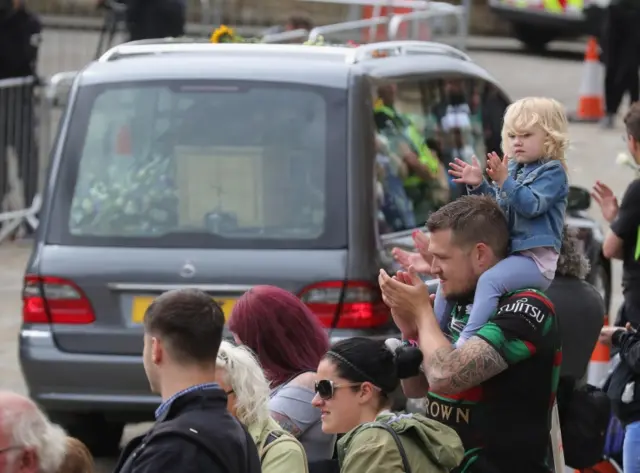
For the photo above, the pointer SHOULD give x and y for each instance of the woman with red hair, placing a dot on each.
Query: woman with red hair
(289, 342)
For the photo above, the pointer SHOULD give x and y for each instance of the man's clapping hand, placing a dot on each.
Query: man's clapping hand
(420, 260)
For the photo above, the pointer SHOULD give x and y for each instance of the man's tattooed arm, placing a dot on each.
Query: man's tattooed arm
(286, 423)
(450, 371)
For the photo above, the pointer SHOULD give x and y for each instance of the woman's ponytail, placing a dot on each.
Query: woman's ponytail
(407, 357)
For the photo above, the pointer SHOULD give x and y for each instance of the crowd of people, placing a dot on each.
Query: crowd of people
(486, 349)
(485, 352)
(488, 352)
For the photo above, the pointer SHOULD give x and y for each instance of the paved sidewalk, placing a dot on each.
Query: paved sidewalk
(13, 260)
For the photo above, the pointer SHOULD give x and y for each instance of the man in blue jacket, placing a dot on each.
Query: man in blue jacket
(194, 432)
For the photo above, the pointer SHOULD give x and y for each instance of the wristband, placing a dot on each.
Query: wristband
(410, 343)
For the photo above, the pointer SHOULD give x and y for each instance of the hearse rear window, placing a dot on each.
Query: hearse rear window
(242, 164)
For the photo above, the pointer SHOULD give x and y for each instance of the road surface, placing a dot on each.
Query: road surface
(592, 157)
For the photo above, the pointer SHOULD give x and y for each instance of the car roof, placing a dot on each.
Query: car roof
(411, 67)
(221, 67)
(331, 65)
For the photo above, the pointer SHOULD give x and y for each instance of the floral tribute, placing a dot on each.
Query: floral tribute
(224, 34)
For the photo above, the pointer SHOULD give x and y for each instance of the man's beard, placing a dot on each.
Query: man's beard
(462, 296)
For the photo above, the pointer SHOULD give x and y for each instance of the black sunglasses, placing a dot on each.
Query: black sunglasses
(325, 388)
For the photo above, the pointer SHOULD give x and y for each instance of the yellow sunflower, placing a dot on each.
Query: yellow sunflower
(221, 33)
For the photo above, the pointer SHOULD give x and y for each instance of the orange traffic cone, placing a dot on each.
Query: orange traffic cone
(600, 360)
(590, 103)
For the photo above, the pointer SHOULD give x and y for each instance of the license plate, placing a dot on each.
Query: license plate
(141, 304)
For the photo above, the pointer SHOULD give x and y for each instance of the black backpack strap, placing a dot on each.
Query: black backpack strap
(403, 454)
(192, 435)
(273, 436)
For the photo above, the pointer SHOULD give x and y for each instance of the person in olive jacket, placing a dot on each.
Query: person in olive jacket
(194, 432)
(355, 380)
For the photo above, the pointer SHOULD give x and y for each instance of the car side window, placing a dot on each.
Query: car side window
(493, 106)
(421, 127)
(455, 113)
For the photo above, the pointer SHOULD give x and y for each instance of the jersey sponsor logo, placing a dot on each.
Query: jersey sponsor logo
(524, 306)
(438, 410)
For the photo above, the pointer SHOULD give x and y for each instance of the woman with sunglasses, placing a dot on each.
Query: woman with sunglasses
(241, 377)
(355, 380)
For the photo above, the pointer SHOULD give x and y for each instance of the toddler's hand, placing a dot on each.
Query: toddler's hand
(469, 174)
(497, 168)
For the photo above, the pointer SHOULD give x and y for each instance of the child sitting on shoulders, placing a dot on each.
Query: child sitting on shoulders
(531, 185)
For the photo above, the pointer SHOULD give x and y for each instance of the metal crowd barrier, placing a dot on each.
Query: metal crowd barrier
(422, 11)
(347, 26)
(21, 170)
(29, 117)
(435, 10)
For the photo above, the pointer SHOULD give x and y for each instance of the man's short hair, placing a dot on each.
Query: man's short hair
(632, 121)
(300, 21)
(190, 322)
(473, 219)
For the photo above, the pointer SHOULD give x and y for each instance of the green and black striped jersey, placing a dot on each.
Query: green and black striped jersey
(504, 422)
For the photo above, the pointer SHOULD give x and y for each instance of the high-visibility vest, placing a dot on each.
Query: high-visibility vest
(575, 6)
(553, 6)
(410, 131)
